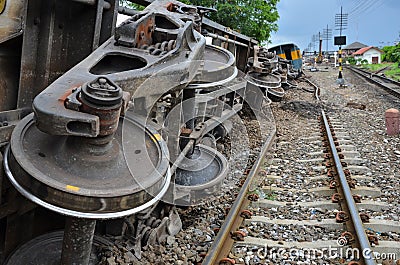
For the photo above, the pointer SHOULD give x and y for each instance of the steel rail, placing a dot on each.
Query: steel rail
(353, 211)
(223, 243)
(317, 91)
(371, 74)
(387, 80)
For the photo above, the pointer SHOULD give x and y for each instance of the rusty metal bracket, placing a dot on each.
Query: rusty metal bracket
(137, 31)
(357, 198)
(349, 237)
(238, 235)
(227, 261)
(364, 217)
(342, 217)
(373, 239)
(352, 183)
(336, 198)
(332, 184)
(253, 197)
(246, 214)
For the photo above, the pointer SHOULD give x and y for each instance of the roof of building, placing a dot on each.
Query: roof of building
(363, 50)
(355, 46)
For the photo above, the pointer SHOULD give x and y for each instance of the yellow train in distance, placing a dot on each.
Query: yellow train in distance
(289, 51)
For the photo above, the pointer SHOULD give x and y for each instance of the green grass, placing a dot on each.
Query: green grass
(375, 67)
(392, 72)
(270, 196)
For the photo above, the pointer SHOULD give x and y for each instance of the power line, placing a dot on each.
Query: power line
(369, 5)
(358, 5)
(361, 10)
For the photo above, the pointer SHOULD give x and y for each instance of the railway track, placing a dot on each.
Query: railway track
(75, 159)
(390, 85)
(310, 205)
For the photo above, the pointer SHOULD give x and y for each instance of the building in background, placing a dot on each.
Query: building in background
(370, 53)
(352, 48)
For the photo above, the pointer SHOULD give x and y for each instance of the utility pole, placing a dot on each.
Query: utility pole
(314, 39)
(327, 35)
(319, 58)
(309, 47)
(341, 21)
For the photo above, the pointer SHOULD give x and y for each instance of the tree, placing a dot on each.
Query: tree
(131, 5)
(391, 53)
(254, 18)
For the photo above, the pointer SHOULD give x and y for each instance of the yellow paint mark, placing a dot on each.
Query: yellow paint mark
(2, 5)
(72, 188)
(157, 136)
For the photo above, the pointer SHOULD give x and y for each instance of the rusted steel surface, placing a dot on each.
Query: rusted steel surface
(8, 120)
(9, 73)
(51, 45)
(102, 98)
(77, 241)
(11, 18)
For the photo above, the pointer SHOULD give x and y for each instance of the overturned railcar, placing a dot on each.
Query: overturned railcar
(291, 52)
(99, 125)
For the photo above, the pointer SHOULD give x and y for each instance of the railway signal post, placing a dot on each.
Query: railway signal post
(341, 24)
(340, 79)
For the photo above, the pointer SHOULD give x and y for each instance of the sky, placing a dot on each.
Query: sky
(371, 22)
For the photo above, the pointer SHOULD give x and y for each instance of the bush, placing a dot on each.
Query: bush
(351, 60)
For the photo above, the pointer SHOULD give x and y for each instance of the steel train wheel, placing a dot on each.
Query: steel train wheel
(218, 69)
(46, 250)
(59, 173)
(200, 176)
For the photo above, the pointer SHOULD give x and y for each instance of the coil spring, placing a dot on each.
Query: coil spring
(160, 48)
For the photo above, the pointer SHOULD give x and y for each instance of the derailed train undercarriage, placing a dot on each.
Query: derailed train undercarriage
(99, 124)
